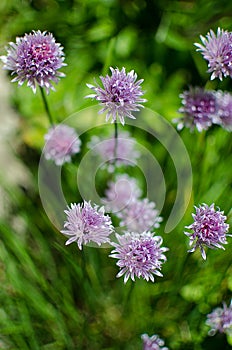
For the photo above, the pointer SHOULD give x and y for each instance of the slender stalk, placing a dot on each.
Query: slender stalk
(127, 298)
(115, 141)
(50, 118)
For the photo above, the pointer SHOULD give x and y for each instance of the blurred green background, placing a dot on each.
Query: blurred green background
(54, 297)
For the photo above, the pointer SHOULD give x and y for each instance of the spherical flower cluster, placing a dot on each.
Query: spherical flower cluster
(153, 342)
(220, 319)
(199, 109)
(120, 95)
(203, 108)
(140, 215)
(126, 154)
(35, 58)
(62, 142)
(209, 229)
(217, 50)
(121, 193)
(139, 255)
(224, 114)
(87, 224)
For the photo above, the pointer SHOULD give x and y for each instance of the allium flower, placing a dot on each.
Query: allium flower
(139, 255)
(153, 342)
(61, 143)
(199, 109)
(35, 58)
(126, 154)
(121, 192)
(86, 223)
(140, 215)
(220, 319)
(217, 50)
(120, 95)
(224, 110)
(209, 229)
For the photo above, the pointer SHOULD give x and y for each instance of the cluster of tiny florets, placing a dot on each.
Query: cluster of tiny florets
(120, 95)
(87, 224)
(153, 343)
(62, 142)
(202, 108)
(140, 215)
(209, 229)
(220, 320)
(115, 153)
(139, 255)
(120, 193)
(217, 50)
(36, 59)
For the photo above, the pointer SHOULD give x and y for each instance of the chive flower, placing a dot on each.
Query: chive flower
(209, 229)
(217, 50)
(120, 94)
(62, 142)
(36, 59)
(139, 255)
(86, 223)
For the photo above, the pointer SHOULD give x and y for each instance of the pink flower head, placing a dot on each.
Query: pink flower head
(139, 255)
(199, 109)
(140, 215)
(153, 342)
(120, 95)
(62, 142)
(121, 192)
(35, 58)
(126, 154)
(224, 115)
(220, 319)
(209, 229)
(217, 50)
(86, 223)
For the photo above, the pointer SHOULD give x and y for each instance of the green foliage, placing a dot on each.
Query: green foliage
(55, 297)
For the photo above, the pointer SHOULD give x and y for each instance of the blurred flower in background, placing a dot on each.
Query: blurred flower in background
(62, 142)
(121, 192)
(224, 114)
(126, 153)
(140, 215)
(153, 342)
(220, 320)
(199, 109)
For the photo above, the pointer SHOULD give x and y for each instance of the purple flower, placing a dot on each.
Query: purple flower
(35, 58)
(220, 319)
(61, 143)
(86, 223)
(199, 109)
(217, 50)
(209, 229)
(153, 342)
(121, 192)
(139, 255)
(140, 215)
(126, 154)
(120, 95)
(224, 115)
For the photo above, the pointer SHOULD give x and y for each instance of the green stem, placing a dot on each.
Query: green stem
(127, 298)
(115, 142)
(50, 118)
